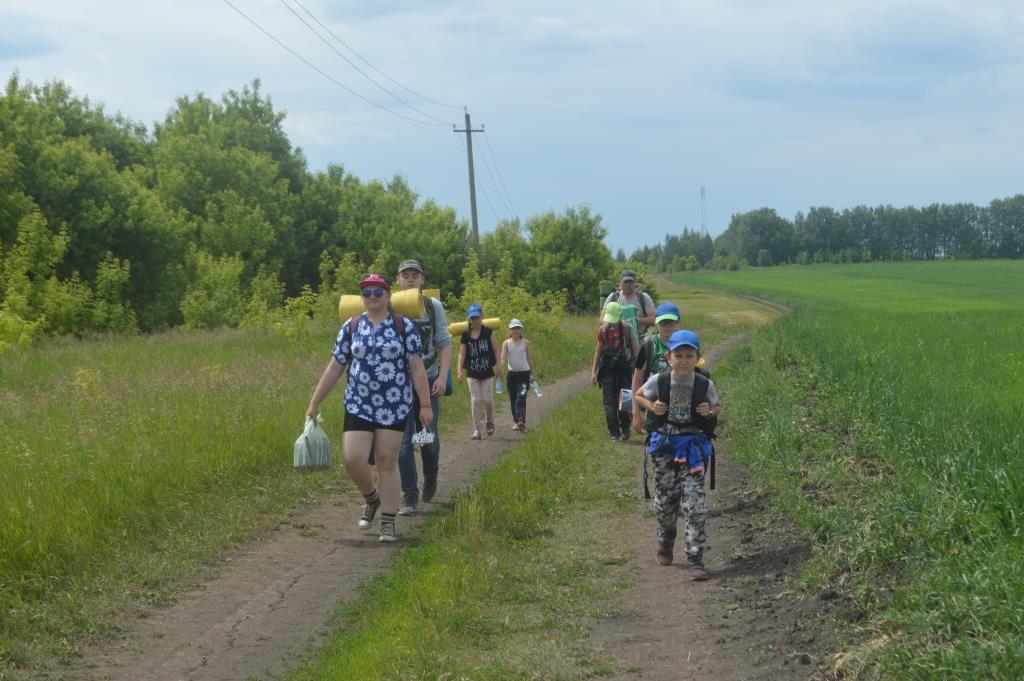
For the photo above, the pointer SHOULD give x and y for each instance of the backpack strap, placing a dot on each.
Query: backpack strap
(701, 384)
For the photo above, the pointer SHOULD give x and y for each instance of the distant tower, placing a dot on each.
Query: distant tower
(703, 197)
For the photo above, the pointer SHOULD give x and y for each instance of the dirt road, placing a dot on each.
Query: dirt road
(270, 601)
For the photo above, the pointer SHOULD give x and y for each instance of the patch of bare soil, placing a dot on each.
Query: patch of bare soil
(749, 621)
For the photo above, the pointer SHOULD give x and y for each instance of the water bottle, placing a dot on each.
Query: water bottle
(536, 389)
(498, 386)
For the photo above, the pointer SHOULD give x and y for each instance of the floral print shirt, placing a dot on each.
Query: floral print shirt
(379, 387)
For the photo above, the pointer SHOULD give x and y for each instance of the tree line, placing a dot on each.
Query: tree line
(861, 234)
(213, 218)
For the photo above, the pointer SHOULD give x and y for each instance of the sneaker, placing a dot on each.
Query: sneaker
(387, 533)
(698, 573)
(475, 435)
(408, 506)
(429, 487)
(369, 513)
(663, 558)
(522, 426)
(490, 427)
(613, 438)
(625, 434)
(515, 426)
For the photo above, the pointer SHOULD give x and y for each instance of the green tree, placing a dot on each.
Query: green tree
(569, 254)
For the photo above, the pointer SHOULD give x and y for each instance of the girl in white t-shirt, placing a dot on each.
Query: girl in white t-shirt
(516, 358)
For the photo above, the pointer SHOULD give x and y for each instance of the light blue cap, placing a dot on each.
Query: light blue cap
(475, 310)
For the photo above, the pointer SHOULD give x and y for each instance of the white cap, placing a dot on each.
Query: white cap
(515, 323)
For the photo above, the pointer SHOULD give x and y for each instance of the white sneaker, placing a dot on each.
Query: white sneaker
(387, 533)
(475, 435)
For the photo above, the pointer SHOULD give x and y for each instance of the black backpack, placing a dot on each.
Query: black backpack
(706, 424)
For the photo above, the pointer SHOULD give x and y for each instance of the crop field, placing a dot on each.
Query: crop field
(885, 412)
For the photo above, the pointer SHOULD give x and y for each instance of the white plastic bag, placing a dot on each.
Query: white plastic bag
(312, 449)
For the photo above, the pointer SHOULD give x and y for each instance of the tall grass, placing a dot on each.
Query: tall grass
(127, 461)
(886, 411)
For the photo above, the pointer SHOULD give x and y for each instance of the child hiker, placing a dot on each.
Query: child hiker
(516, 351)
(383, 354)
(612, 368)
(478, 353)
(682, 406)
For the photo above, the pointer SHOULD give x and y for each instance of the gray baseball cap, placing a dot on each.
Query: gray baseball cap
(411, 265)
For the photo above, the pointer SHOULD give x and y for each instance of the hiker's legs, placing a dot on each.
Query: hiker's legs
(610, 397)
(668, 491)
(518, 383)
(696, 515)
(623, 383)
(487, 397)
(385, 453)
(356, 446)
(407, 453)
(476, 402)
(431, 454)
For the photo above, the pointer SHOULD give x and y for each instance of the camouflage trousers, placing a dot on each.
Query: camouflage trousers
(674, 487)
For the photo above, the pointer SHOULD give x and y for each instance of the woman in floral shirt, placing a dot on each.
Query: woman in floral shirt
(383, 354)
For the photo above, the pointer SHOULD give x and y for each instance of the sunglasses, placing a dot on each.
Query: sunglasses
(375, 292)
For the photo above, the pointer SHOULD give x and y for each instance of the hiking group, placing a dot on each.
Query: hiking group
(398, 368)
(661, 375)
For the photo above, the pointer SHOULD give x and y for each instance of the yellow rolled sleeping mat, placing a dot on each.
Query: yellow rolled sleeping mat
(458, 328)
(408, 303)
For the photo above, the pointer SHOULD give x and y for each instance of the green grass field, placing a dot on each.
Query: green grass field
(885, 412)
(127, 462)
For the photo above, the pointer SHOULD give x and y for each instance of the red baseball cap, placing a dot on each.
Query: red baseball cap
(374, 279)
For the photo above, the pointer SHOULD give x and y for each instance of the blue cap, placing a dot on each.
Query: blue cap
(683, 337)
(475, 310)
(666, 311)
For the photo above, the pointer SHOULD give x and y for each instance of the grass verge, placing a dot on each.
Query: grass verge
(127, 463)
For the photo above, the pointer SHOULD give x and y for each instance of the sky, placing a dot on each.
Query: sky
(629, 108)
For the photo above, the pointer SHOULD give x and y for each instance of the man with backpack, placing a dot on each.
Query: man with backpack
(612, 368)
(637, 306)
(437, 359)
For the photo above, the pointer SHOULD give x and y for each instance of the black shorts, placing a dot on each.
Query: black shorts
(361, 425)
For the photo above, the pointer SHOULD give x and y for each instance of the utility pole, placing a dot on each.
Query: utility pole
(703, 227)
(472, 178)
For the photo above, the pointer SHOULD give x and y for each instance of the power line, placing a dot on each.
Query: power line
(497, 188)
(361, 72)
(482, 188)
(322, 73)
(368, 63)
(498, 170)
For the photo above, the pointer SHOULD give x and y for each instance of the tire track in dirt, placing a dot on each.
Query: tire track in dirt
(271, 599)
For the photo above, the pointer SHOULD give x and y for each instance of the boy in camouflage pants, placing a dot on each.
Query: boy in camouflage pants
(680, 403)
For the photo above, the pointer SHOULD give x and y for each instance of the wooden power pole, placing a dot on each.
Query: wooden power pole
(472, 179)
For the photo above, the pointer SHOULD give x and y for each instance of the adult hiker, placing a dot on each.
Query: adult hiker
(437, 359)
(382, 353)
(637, 306)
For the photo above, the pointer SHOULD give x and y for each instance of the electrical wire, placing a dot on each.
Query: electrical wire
(498, 170)
(324, 74)
(361, 72)
(497, 188)
(370, 64)
(477, 183)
